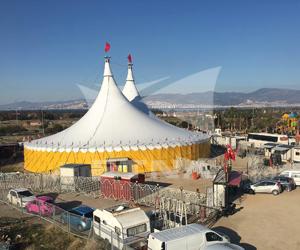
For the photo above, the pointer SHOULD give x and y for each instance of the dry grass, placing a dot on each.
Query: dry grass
(33, 234)
(97, 245)
(17, 167)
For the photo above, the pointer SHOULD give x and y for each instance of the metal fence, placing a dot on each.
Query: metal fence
(70, 222)
(144, 194)
(50, 183)
(166, 201)
(48, 211)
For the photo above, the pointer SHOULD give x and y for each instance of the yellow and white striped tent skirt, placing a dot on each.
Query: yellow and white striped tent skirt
(148, 160)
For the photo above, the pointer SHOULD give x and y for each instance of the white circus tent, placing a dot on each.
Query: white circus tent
(114, 127)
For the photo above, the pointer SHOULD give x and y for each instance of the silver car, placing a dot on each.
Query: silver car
(266, 186)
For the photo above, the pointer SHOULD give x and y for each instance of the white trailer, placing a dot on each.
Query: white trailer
(268, 149)
(296, 154)
(285, 151)
(122, 226)
(190, 237)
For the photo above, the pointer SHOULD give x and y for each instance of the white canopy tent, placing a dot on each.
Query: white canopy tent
(113, 124)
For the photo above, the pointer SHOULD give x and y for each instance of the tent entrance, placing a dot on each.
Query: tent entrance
(122, 165)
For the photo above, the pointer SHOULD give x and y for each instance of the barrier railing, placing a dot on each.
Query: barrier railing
(144, 194)
(138, 193)
(70, 222)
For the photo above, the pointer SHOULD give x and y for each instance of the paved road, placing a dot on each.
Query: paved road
(266, 222)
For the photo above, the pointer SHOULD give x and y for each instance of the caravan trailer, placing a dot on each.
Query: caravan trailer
(122, 226)
(296, 154)
(190, 237)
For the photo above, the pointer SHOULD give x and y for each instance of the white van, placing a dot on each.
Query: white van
(293, 173)
(189, 237)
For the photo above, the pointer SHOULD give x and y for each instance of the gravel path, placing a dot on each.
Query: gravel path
(266, 222)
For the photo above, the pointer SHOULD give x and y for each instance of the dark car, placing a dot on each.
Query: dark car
(287, 182)
(80, 218)
(246, 186)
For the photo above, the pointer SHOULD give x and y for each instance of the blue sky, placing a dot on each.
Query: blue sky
(48, 47)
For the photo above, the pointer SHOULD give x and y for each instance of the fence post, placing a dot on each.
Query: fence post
(59, 184)
(21, 204)
(4, 181)
(53, 212)
(158, 188)
(111, 240)
(40, 212)
(41, 182)
(118, 239)
(69, 223)
(181, 193)
(99, 228)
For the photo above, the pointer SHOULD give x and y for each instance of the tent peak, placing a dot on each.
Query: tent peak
(130, 73)
(130, 91)
(107, 70)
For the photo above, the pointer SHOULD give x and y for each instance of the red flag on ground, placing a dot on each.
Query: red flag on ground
(225, 167)
(230, 152)
(129, 58)
(107, 47)
(271, 162)
(226, 156)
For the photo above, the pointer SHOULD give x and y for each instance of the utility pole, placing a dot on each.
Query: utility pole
(17, 121)
(252, 120)
(43, 129)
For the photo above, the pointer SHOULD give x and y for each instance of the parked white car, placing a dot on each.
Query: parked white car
(192, 236)
(266, 186)
(20, 196)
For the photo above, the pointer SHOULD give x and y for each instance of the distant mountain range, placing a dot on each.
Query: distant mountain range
(260, 98)
(24, 105)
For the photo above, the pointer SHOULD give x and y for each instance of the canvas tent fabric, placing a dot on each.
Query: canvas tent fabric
(130, 90)
(132, 94)
(114, 128)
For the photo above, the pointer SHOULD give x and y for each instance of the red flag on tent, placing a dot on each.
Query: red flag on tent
(107, 47)
(129, 58)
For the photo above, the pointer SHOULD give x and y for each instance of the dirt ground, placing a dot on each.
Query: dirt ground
(7, 211)
(265, 222)
(76, 200)
(177, 181)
